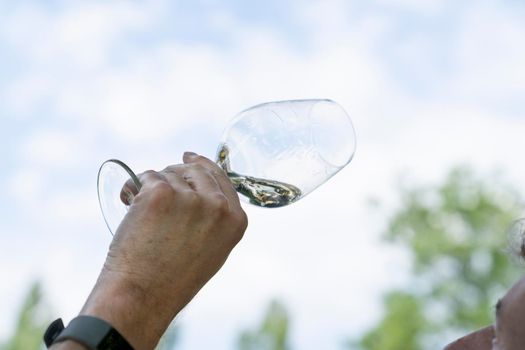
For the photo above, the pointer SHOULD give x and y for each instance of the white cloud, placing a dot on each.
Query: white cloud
(82, 34)
(490, 53)
(25, 185)
(50, 147)
(421, 6)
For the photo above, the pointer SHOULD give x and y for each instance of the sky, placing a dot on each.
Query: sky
(428, 85)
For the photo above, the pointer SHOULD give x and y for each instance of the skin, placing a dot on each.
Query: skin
(180, 228)
(510, 319)
(479, 340)
(508, 332)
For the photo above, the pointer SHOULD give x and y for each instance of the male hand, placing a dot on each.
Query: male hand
(180, 228)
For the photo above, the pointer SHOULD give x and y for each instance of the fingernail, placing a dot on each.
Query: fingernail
(127, 197)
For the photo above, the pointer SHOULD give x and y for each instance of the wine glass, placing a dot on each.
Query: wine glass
(274, 154)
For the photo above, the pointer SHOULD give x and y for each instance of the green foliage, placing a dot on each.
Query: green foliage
(31, 323)
(455, 233)
(271, 334)
(402, 311)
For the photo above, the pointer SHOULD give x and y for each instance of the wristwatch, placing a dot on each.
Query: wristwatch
(89, 331)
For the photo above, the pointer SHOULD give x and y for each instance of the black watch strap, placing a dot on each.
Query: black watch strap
(89, 331)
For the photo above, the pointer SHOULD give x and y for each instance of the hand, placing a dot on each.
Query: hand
(180, 228)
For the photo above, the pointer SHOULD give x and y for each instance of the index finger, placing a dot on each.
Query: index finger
(219, 175)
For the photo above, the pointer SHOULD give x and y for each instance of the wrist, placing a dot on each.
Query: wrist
(88, 331)
(136, 315)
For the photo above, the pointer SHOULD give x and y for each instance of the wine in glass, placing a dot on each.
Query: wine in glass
(273, 153)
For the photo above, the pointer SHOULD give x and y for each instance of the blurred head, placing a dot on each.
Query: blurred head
(508, 332)
(479, 340)
(509, 328)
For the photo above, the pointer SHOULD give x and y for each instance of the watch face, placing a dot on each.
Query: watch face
(52, 332)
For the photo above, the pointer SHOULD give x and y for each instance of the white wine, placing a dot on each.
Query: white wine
(261, 192)
(265, 193)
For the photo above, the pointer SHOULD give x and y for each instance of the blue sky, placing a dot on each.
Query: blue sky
(428, 84)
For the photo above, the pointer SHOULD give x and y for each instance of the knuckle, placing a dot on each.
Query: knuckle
(219, 203)
(172, 168)
(160, 193)
(161, 188)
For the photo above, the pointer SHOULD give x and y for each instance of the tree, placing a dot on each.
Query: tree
(271, 334)
(31, 324)
(455, 234)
